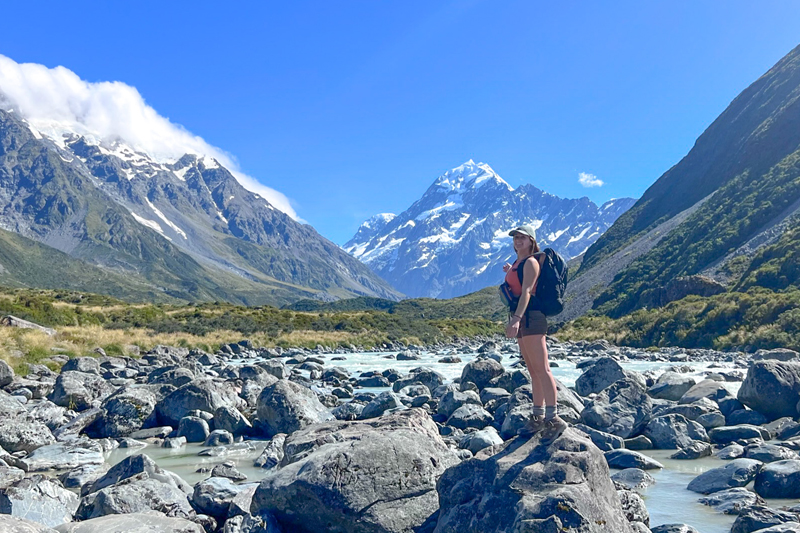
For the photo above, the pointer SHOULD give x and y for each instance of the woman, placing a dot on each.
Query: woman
(529, 327)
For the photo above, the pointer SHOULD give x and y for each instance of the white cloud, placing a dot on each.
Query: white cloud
(56, 100)
(589, 180)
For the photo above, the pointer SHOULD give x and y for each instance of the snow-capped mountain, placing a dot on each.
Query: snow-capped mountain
(454, 239)
(185, 227)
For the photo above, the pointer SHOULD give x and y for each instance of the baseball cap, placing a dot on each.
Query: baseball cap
(525, 229)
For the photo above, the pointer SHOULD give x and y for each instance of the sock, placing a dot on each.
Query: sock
(550, 411)
(538, 410)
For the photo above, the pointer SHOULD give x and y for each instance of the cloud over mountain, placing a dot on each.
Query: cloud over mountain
(57, 101)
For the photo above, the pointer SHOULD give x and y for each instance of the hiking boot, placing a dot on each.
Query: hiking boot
(553, 428)
(532, 426)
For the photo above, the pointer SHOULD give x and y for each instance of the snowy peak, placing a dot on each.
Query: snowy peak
(469, 175)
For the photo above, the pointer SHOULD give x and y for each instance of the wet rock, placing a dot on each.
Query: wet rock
(731, 451)
(737, 473)
(131, 467)
(39, 499)
(348, 411)
(218, 437)
(772, 388)
(481, 372)
(769, 453)
(328, 478)
(622, 409)
(674, 431)
(285, 407)
(727, 434)
(83, 475)
(135, 495)
(639, 442)
(759, 517)
(695, 450)
(633, 478)
(77, 390)
(530, 485)
(133, 523)
(174, 442)
(732, 501)
(780, 479)
(60, 456)
(630, 459)
(385, 401)
(674, 528)
(229, 471)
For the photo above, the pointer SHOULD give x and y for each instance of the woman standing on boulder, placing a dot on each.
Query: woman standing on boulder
(529, 326)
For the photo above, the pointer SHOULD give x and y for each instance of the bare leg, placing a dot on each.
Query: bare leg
(534, 351)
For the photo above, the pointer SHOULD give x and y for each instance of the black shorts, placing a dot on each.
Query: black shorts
(533, 323)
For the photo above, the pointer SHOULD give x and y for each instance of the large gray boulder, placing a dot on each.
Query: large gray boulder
(377, 475)
(671, 386)
(470, 416)
(481, 372)
(478, 440)
(285, 407)
(22, 434)
(759, 518)
(127, 410)
(732, 501)
(670, 432)
(630, 459)
(150, 522)
(131, 467)
(200, 394)
(60, 456)
(780, 479)
(88, 365)
(772, 388)
(621, 409)
(79, 390)
(737, 473)
(708, 388)
(383, 402)
(6, 373)
(598, 376)
(424, 376)
(214, 495)
(39, 499)
(532, 485)
(135, 495)
(13, 524)
(452, 400)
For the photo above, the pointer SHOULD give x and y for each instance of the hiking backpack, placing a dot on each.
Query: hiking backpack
(550, 287)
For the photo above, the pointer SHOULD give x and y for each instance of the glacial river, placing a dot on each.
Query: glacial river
(668, 501)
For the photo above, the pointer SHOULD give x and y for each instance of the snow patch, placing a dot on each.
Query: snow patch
(168, 222)
(152, 224)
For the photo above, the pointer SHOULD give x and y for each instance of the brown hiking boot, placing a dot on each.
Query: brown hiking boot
(532, 426)
(553, 428)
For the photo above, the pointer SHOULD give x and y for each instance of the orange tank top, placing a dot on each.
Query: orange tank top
(512, 278)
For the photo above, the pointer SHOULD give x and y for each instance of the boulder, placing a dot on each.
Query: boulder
(780, 479)
(601, 439)
(150, 522)
(348, 411)
(39, 499)
(385, 401)
(746, 416)
(82, 475)
(708, 388)
(731, 451)
(72, 429)
(172, 375)
(22, 434)
(633, 478)
(478, 440)
(759, 517)
(737, 473)
(481, 372)
(532, 485)
(229, 471)
(673, 431)
(674, 528)
(330, 478)
(452, 400)
(727, 434)
(131, 467)
(272, 455)
(193, 428)
(50, 414)
(88, 365)
(214, 495)
(60, 456)
(200, 394)
(135, 495)
(285, 407)
(772, 388)
(78, 390)
(12, 524)
(634, 508)
(232, 420)
(732, 501)
(769, 453)
(671, 386)
(630, 459)
(6, 373)
(422, 376)
(218, 437)
(622, 409)
(600, 375)
(124, 412)
(695, 450)
(470, 416)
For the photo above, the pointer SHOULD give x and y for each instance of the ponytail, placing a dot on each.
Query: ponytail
(535, 247)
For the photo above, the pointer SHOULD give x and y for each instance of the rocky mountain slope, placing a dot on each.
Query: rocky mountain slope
(454, 239)
(729, 210)
(185, 228)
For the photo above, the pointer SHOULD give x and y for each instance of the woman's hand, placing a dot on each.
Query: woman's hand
(512, 329)
(506, 267)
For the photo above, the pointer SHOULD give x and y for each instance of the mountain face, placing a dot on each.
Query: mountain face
(729, 210)
(186, 228)
(454, 239)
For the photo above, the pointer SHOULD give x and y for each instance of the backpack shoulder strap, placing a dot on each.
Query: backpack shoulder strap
(521, 268)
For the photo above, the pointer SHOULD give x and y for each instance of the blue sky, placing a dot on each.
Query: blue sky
(354, 108)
